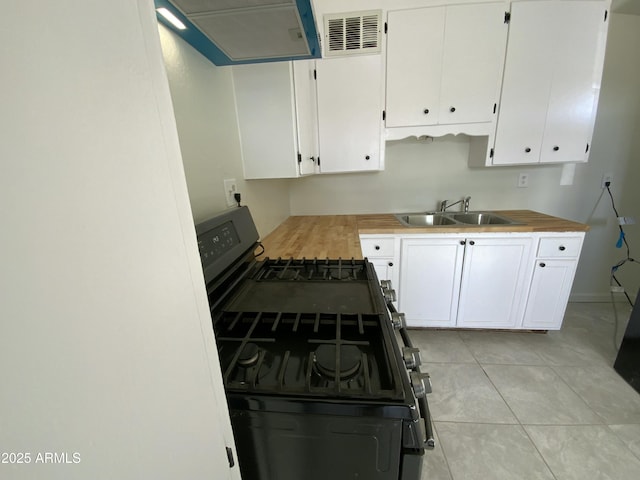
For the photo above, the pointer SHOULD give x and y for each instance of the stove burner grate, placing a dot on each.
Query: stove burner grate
(315, 270)
(319, 354)
(327, 358)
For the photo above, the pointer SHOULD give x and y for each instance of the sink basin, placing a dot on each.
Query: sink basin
(425, 219)
(440, 219)
(481, 218)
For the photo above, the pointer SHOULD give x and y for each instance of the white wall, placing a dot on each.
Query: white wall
(419, 174)
(618, 140)
(207, 126)
(106, 348)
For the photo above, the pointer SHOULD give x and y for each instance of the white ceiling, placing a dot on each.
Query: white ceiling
(626, 6)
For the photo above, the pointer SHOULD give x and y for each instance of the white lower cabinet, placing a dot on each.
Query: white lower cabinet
(384, 267)
(475, 282)
(430, 272)
(382, 252)
(554, 270)
(486, 280)
(495, 277)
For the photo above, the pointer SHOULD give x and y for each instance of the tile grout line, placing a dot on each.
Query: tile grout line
(521, 425)
(444, 454)
(621, 439)
(604, 422)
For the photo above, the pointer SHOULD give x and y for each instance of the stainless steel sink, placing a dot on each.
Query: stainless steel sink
(425, 219)
(446, 219)
(481, 218)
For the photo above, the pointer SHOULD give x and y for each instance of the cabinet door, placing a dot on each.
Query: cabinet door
(266, 119)
(549, 294)
(430, 281)
(576, 81)
(474, 49)
(384, 268)
(526, 84)
(494, 282)
(414, 66)
(350, 113)
(551, 81)
(306, 115)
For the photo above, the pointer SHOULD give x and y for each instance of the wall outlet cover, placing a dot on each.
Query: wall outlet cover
(230, 187)
(523, 180)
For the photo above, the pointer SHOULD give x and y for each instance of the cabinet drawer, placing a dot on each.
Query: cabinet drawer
(377, 247)
(559, 247)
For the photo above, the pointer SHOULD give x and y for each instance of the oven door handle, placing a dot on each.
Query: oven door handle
(422, 402)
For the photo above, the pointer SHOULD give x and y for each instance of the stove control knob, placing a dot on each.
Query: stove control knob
(386, 284)
(398, 321)
(389, 295)
(411, 357)
(421, 383)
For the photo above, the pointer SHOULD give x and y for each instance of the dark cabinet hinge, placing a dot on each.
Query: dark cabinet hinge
(507, 17)
(315, 74)
(230, 457)
(299, 157)
(495, 106)
(587, 148)
(491, 153)
(318, 160)
(385, 27)
(384, 115)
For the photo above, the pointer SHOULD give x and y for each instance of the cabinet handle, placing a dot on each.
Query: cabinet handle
(462, 242)
(556, 148)
(452, 109)
(390, 264)
(542, 264)
(426, 111)
(367, 157)
(562, 248)
(471, 242)
(377, 247)
(527, 150)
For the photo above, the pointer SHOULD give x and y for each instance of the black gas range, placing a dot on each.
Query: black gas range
(319, 383)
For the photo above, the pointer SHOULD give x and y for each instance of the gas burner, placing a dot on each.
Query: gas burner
(339, 273)
(325, 361)
(249, 355)
(288, 274)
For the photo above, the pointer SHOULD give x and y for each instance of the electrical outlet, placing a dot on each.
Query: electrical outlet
(230, 188)
(523, 180)
(607, 177)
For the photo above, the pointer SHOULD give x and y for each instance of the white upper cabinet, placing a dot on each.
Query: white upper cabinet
(306, 115)
(350, 113)
(443, 68)
(275, 104)
(551, 82)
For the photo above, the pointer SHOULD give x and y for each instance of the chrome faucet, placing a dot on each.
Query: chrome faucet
(465, 204)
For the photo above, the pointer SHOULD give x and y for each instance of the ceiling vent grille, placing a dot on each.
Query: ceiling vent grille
(352, 33)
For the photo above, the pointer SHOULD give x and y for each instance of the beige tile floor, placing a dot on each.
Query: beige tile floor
(532, 406)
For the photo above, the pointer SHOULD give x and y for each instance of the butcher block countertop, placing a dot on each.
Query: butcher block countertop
(334, 236)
